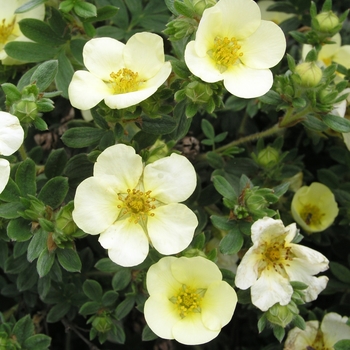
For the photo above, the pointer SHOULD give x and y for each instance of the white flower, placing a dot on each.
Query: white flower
(9, 28)
(188, 300)
(333, 329)
(274, 16)
(273, 262)
(233, 44)
(122, 75)
(11, 139)
(130, 204)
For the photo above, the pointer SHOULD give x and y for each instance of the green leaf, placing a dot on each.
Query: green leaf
(37, 244)
(29, 52)
(343, 344)
(262, 322)
(37, 342)
(215, 160)
(107, 265)
(92, 290)
(64, 74)
(121, 279)
(40, 32)
(26, 177)
(208, 129)
(55, 163)
(44, 74)
(11, 193)
(19, 230)
(69, 259)
(58, 311)
(11, 91)
(222, 222)
(299, 322)
(85, 9)
(232, 242)
(23, 329)
(11, 210)
(89, 308)
(103, 13)
(159, 126)
(82, 137)
(224, 187)
(341, 272)
(45, 262)
(27, 278)
(15, 266)
(54, 191)
(109, 298)
(278, 332)
(76, 48)
(148, 334)
(125, 307)
(337, 123)
(29, 5)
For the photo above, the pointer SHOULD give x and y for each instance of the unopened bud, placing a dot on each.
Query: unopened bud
(310, 74)
(268, 157)
(200, 5)
(327, 21)
(280, 315)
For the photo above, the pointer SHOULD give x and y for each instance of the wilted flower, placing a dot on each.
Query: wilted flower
(11, 139)
(315, 336)
(274, 261)
(9, 28)
(314, 207)
(122, 75)
(188, 300)
(130, 204)
(233, 44)
(274, 16)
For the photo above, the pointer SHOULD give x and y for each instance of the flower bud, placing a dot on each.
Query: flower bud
(280, 315)
(26, 111)
(268, 157)
(102, 323)
(64, 220)
(157, 151)
(310, 74)
(198, 92)
(200, 5)
(327, 21)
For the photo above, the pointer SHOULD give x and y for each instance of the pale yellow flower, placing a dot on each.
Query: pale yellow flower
(122, 75)
(274, 261)
(188, 300)
(132, 205)
(11, 139)
(314, 207)
(9, 28)
(315, 336)
(233, 44)
(274, 16)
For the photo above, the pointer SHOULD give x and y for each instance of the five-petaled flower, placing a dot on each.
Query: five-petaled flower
(314, 207)
(274, 261)
(319, 336)
(233, 44)
(9, 28)
(188, 300)
(130, 204)
(11, 139)
(122, 75)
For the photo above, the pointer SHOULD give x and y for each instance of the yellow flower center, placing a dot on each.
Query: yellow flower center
(137, 205)
(6, 30)
(318, 343)
(188, 300)
(125, 80)
(275, 255)
(327, 61)
(312, 215)
(225, 52)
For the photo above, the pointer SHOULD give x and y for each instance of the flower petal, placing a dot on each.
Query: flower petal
(102, 56)
(269, 38)
(343, 56)
(266, 229)
(269, 289)
(247, 270)
(161, 315)
(95, 206)
(301, 339)
(119, 165)
(334, 328)
(168, 233)
(160, 279)
(198, 272)
(245, 82)
(11, 134)
(4, 173)
(171, 179)
(144, 53)
(126, 242)
(86, 90)
(191, 331)
(218, 305)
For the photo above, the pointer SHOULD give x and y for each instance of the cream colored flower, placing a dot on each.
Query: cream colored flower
(333, 329)
(331, 53)
(122, 75)
(131, 205)
(188, 300)
(233, 44)
(314, 207)
(274, 16)
(274, 261)
(9, 28)
(11, 139)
